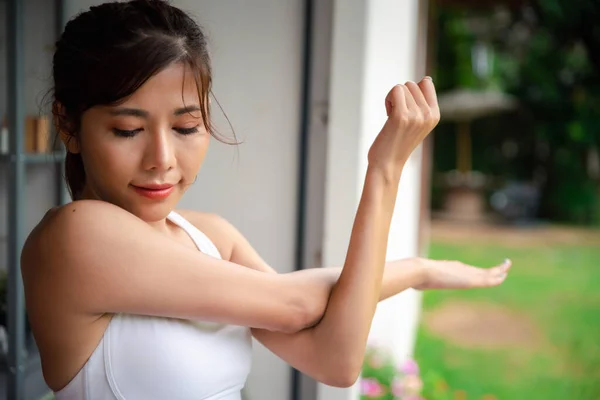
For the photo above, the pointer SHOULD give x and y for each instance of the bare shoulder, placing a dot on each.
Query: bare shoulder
(71, 218)
(53, 259)
(220, 231)
(76, 213)
(63, 230)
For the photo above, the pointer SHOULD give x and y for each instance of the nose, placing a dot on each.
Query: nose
(160, 151)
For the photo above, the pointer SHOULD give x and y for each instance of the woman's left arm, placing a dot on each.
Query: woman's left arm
(299, 349)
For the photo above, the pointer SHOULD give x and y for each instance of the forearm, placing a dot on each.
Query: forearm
(303, 349)
(398, 275)
(338, 340)
(344, 328)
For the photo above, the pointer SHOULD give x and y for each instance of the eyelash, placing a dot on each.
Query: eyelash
(131, 133)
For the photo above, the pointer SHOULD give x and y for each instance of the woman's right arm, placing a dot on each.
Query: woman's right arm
(342, 333)
(332, 351)
(96, 258)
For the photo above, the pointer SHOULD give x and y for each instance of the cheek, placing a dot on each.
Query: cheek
(193, 153)
(108, 159)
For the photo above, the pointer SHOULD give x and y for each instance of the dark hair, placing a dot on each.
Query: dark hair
(105, 54)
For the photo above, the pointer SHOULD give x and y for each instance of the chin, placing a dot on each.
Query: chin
(155, 212)
(151, 211)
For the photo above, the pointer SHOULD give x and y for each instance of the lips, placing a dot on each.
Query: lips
(154, 191)
(155, 186)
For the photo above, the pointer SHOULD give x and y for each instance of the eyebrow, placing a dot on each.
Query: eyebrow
(136, 112)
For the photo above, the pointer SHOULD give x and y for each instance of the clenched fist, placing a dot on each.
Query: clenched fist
(413, 112)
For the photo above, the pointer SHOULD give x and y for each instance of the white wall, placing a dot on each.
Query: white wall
(391, 58)
(256, 48)
(373, 49)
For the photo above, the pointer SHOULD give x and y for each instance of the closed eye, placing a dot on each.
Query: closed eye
(126, 133)
(187, 131)
(132, 132)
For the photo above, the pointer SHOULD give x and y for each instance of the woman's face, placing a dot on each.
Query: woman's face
(142, 154)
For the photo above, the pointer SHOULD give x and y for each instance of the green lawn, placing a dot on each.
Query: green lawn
(558, 288)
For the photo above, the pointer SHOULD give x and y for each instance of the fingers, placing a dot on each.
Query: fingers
(428, 90)
(417, 95)
(402, 98)
(388, 107)
(485, 277)
(410, 100)
(496, 275)
(395, 100)
(412, 95)
(419, 99)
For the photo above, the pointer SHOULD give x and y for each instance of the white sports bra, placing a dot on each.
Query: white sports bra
(146, 358)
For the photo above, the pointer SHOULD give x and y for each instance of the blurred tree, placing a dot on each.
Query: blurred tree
(557, 45)
(547, 53)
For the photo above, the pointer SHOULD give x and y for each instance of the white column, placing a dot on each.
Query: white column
(373, 48)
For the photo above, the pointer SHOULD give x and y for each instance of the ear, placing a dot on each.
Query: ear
(60, 124)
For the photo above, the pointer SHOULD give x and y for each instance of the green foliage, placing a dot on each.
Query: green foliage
(546, 54)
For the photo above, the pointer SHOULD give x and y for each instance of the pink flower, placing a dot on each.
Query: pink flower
(397, 389)
(410, 385)
(409, 367)
(371, 387)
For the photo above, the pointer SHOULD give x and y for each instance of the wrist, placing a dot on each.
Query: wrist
(418, 269)
(389, 174)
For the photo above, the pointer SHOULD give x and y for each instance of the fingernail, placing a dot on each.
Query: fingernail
(506, 261)
(428, 77)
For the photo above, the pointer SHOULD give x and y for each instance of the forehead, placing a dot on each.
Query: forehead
(172, 87)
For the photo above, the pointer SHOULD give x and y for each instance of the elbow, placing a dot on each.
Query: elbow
(342, 381)
(343, 374)
(295, 316)
(342, 377)
(299, 314)
(290, 324)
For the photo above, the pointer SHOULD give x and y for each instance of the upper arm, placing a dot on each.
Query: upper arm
(296, 348)
(99, 259)
(231, 243)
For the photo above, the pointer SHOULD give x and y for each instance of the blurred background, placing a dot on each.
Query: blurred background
(516, 173)
(512, 171)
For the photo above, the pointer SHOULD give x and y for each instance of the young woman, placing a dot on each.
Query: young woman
(129, 299)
